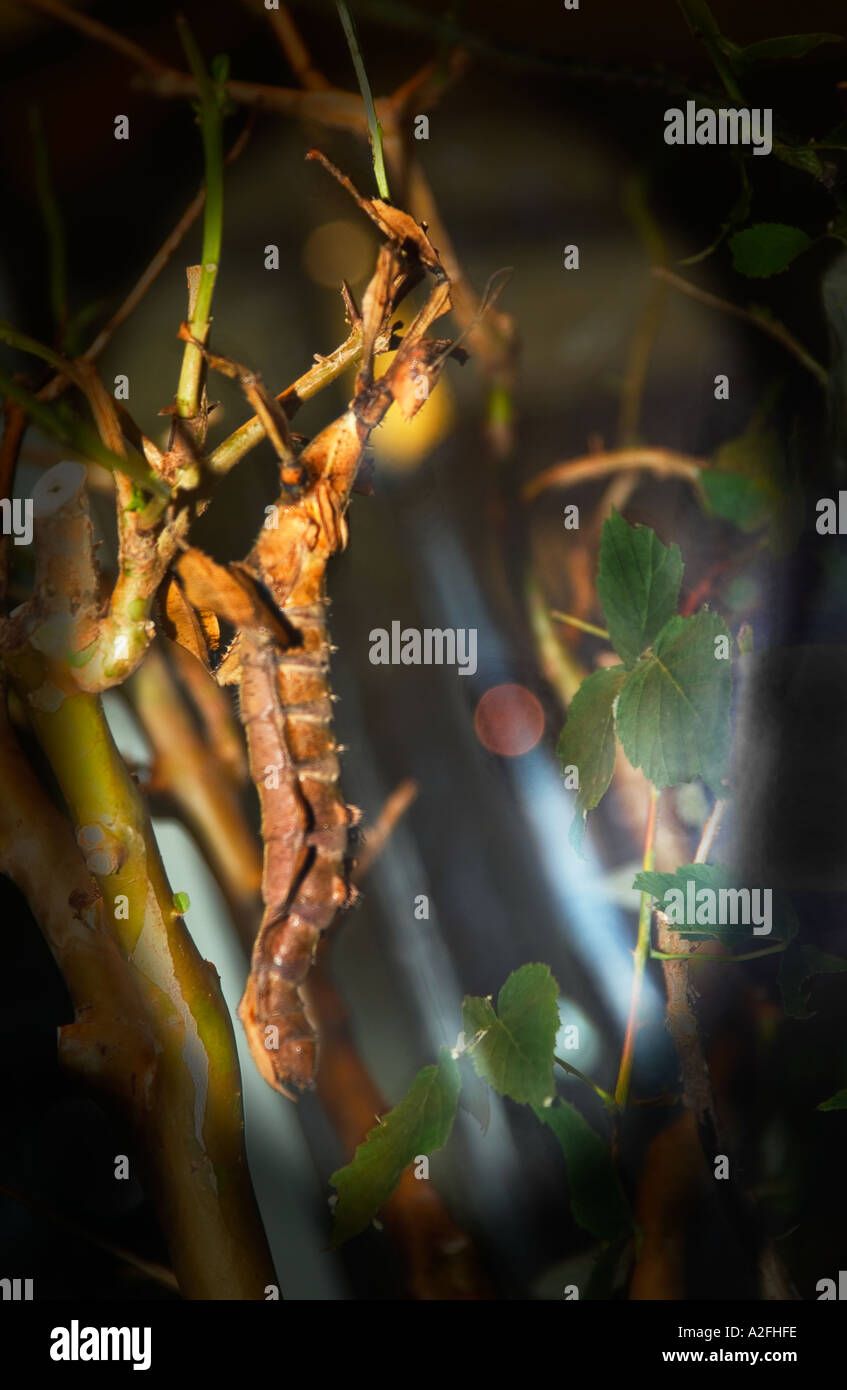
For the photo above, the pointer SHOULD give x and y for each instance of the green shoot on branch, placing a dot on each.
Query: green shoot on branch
(374, 127)
(210, 111)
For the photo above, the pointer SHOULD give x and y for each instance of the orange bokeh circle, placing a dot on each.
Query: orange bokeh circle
(509, 720)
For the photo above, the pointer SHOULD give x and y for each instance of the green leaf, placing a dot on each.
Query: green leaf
(514, 1053)
(420, 1124)
(797, 967)
(182, 903)
(219, 68)
(596, 1197)
(737, 498)
(771, 500)
(637, 583)
(673, 711)
(836, 1102)
(768, 248)
(587, 742)
(717, 877)
(758, 450)
(786, 46)
(801, 157)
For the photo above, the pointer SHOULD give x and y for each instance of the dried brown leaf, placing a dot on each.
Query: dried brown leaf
(231, 592)
(181, 623)
(393, 222)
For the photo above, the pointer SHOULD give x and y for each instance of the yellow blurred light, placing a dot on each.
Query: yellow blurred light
(401, 445)
(338, 251)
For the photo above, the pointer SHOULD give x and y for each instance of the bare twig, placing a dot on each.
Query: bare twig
(378, 835)
(757, 318)
(231, 450)
(58, 383)
(710, 833)
(680, 1017)
(296, 51)
(665, 463)
(101, 33)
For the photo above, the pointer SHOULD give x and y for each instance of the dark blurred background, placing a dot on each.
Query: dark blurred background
(552, 136)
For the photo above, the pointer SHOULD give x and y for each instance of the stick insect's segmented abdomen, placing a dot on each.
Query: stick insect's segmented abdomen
(287, 710)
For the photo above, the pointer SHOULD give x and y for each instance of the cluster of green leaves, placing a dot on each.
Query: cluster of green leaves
(512, 1049)
(746, 484)
(750, 482)
(669, 701)
(715, 877)
(766, 248)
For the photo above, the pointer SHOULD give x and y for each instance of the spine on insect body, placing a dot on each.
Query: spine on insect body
(287, 710)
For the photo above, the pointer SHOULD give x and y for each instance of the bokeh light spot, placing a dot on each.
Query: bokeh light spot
(399, 445)
(509, 720)
(338, 251)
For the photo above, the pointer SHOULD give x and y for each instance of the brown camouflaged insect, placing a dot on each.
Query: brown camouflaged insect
(280, 657)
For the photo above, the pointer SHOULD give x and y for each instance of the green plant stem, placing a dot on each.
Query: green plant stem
(703, 25)
(80, 437)
(109, 1045)
(642, 951)
(578, 622)
(605, 1096)
(500, 414)
(211, 125)
(231, 450)
(23, 342)
(374, 127)
(560, 667)
(193, 1131)
(694, 958)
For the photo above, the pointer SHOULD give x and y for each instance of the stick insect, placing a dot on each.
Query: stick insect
(280, 656)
